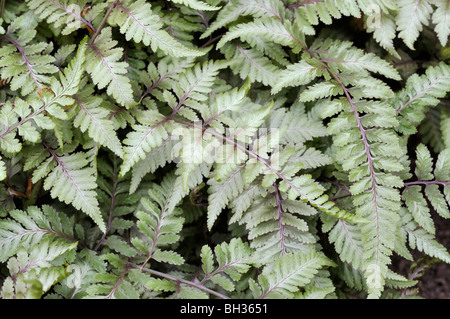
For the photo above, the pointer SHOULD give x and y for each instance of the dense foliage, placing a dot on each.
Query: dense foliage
(221, 149)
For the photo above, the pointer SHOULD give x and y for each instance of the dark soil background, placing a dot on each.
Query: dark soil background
(435, 282)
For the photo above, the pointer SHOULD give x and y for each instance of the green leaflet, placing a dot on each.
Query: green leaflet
(410, 19)
(416, 203)
(143, 140)
(384, 32)
(419, 238)
(274, 232)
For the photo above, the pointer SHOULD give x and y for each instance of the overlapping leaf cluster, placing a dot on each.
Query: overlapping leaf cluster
(221, 149)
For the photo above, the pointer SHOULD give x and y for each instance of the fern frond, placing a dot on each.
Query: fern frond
(113, 197)
(160, 77)
(441, 19)
(200, 145)
(287, 275)
(137, 21)
(142, 140)
(2, 170)
(94, 119)
(432, 180)
(18, 116)
(222, 192)
(345, 57)
(384, 32)
(33, 271)
(157, 157)
(26, 64)
(71, 180)
(233, 260)
(81, 273)
(348, 242)
(27, 228)
(421, 92)
(275, 52)
(367, 157)
(309, 157)
(197, 5)
(418, 207)
(418, 238)
(302, 187)
(115, 281)
(105, 69)
(160, 222)
(251, 63)
(297, 74)
(233, 10)
(256, 127)
(12, 115)
(295, 129)
(268, 28)
(274, 229)
(431, 129)
(191, 86)
(63, 90)
(310, 13)
(223, 105)
(306, 189)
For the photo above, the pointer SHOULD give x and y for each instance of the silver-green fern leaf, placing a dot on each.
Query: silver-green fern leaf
(69, 178)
